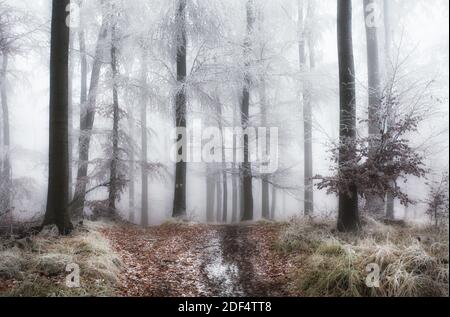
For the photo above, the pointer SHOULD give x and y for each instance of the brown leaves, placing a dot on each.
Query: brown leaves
(171, 260)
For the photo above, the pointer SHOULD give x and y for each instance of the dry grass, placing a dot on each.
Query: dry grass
(413, 260)
(37, 266)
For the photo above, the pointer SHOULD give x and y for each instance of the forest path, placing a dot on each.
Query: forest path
(200, 260)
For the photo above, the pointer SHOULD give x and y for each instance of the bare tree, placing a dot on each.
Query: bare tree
(114, 183)
(87, 117)
(305, 34)
(144, 144)
(179, 203)
(246, 166)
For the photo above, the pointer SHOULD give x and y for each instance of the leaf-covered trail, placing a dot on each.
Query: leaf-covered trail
(200, 260)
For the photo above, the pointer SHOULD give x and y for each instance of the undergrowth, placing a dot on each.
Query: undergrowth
(36, 266)
(413, 260)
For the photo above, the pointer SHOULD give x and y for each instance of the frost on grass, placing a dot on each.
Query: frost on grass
(38, 266)
(413, 260)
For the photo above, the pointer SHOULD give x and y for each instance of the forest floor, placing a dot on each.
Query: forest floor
(304, 257)
(201, 260)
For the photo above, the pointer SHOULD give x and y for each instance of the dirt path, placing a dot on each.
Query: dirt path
(200, 260)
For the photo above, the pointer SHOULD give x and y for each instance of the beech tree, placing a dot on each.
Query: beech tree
(246, 166)
(305, 44)
(348, 214)
(57, 211)
(374, 204)
(179, 203)
(115, 179)
(87, 117)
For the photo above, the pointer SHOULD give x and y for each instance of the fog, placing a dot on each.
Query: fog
(216, 31)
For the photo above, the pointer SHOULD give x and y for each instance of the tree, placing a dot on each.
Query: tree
(58, 185)
(348, 214)
(87, 117)
(179, 203)
(235, 176)
(114, 183)
(375, 204)
(246, 166)
(265, 195)
(265, 208)
(144, 144)
(224, 191)
(387, 58)
(305, 37)
(438, 200)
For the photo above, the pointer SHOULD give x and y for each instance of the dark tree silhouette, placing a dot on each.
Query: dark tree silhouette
(179, 202)
(246, 167)
(348, 217)
(58, 185)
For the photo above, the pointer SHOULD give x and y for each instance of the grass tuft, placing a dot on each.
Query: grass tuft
(413, 260)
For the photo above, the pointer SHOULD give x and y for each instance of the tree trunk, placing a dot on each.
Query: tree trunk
(265, 208)
(114, 177)
(83, 75)
(390, 212)
(273, 202)
(234, 177)
(131, 166)
(210, 194)
(374, 203)
(307, 106)
(71, 71)
(87, 116)
(219, 196)
(144, 145)
(58, 185)
(179, 203)
(5, 168)
(348, 217)
(224, 173)
(246, 166)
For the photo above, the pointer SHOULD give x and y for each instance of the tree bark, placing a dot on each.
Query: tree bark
(87, 116)
(246, 166)
(307, 105)
(58, 185)
(179, 203)
(71, 71)
(390, 211)
(114, 174)
(219, 196)
(265, 196)
(348, 215)
(273, 203)
(224, 172)
(210, 194)
(144, 146)
(374, 203)
(234, 177)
